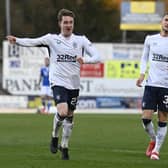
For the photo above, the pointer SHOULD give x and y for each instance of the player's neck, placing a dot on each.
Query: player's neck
(164, 33)
(66, 36)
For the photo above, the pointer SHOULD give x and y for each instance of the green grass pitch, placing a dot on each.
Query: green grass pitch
(98, 141)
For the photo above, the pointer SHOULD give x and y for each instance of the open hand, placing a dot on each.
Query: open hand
(140, 80)
(11, 39)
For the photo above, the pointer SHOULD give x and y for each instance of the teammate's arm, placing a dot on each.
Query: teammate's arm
(143, 63)
(140, 80)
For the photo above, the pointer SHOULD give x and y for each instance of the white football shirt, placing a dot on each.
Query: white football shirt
(156, 53)
(64, 69)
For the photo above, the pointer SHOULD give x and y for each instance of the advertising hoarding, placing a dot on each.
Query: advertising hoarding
(141, 15)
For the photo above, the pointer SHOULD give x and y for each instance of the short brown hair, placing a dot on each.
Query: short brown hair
(64, 12)
(165, 14)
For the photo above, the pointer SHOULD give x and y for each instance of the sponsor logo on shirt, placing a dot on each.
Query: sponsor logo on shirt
(159, 57)
(66, 58)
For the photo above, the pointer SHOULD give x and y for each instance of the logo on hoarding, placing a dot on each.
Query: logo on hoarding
(85, 85)
(22, 86)
(14, 64)
(86, 103)
(13, 51)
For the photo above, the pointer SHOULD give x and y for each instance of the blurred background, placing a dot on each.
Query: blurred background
(116, 27)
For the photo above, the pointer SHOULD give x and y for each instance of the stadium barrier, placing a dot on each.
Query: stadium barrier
(107, 87)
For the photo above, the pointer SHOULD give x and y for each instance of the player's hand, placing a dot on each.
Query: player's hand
(80, 60)
(11, 39)
(140, 80)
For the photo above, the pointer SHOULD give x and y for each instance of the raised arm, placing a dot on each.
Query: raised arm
(29, 42)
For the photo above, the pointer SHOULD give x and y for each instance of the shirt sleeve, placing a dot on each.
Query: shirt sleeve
(145, 56)
(31, 42)
(91, 51)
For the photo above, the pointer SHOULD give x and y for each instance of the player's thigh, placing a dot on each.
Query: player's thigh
(62, 109)
(147, 114)
(162, 116)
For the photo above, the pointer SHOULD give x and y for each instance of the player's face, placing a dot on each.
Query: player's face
(165, 24)
(66, 25)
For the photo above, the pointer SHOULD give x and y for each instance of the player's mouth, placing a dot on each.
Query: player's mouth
(68, 29)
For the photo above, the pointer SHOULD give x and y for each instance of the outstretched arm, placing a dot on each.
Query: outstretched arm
(29, 42)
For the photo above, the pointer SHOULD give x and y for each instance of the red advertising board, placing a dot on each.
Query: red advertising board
(92, 70)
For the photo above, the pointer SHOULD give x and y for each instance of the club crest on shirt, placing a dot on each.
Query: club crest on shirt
(58, 41)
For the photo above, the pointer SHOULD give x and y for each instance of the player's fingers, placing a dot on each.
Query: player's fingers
(11, 39)
(80, 60)
(138, 83)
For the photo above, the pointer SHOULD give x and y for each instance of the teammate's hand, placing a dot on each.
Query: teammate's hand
(140, 80)
(11, 39)
(80, 59)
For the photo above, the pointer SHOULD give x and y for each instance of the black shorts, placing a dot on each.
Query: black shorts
(64, 95)
(155, 98)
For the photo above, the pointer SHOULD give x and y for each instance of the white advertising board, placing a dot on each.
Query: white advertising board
(110, 87)
(118, 51)
(13, 101)
(21, 68)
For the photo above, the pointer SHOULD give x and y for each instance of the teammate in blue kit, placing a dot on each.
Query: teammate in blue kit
(156, 90)
(66, 55)
(46, 93)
